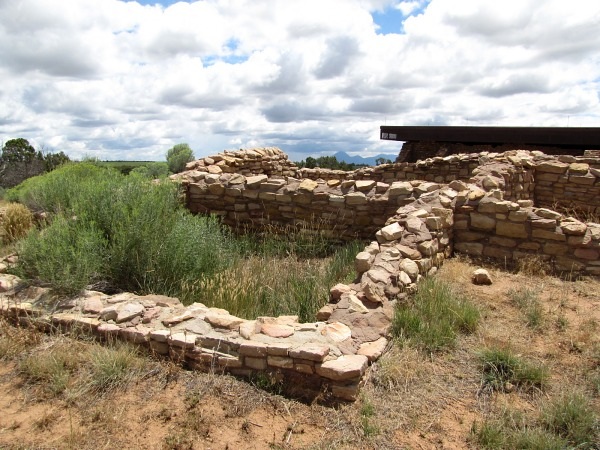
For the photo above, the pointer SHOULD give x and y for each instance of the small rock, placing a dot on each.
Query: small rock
(481, 277)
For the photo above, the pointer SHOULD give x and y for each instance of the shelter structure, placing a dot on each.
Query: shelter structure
(422, 142)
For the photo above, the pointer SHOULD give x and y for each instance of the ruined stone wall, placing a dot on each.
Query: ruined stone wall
(413, 151)
(488, 226)
(269, 161)
(568, 182)
(347, 209)
(481, 205)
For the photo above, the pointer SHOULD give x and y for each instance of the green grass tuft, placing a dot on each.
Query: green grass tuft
(501, 368)
(433, 318)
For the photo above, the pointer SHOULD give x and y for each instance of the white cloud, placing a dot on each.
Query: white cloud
(117, 79)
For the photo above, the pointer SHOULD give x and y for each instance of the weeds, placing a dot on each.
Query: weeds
(527, 301)
(51, 370)
(571, 417)
(566, 422)
(434, 317)
(112, 367)
(502, 369)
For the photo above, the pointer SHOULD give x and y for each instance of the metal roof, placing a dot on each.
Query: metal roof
(568, 137)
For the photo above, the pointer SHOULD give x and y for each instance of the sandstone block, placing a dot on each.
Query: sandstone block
(392, 232)
(356, 198)
(310, 352)
(373, 350)
(511, 229)
(482, 222)
(128, 311)
(346, 367)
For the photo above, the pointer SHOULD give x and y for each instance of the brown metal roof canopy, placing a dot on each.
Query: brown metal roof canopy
(564, 137)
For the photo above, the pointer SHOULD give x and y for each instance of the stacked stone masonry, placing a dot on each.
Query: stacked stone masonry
(481, 205)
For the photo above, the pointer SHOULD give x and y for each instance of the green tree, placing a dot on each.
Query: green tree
(178, 156)
(18, 150)
(380, 161)
(53, 160)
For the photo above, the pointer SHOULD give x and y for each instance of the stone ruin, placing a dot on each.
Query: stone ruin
(497, 206)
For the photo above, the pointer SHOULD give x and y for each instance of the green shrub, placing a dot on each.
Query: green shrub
(434, 316)
(501, 367)
(68, 254)
(16, 222)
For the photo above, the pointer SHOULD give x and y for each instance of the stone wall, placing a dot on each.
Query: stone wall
(568, 182)
(418, 214)
(269, 161)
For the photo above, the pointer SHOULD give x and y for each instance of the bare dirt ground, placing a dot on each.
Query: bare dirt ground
(411, 399)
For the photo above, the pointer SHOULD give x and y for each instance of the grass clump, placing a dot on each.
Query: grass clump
(51, 369)
(527, 300)
(112, 367)
(502, 369)
(571, 417)
(433, 318)
(566, 422)
(16, 222)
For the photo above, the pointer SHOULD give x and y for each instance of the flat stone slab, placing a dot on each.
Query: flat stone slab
(345, 367)
(129, 311)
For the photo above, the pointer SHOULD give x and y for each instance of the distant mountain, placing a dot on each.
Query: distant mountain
(370, 161)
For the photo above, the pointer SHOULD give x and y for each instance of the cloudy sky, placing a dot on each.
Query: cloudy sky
(129, 79)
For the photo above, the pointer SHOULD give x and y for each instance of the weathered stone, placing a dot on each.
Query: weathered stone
(276, 330)
(373, 350)
(223, 320)
(548, 213)
(408, 252)
(482, 222)
(345, 367)
(586, 253)
(254, 349)
(511, 229)
(92, 305)
(174, 320)
(400, 188)
(249, 328)
(324, 313)
(128, 311)
(470, 248)
(410, 268)
(481, 277)
(308, 185)
(573, 227)
(552, 167)
(337, 332)
(365, 185)
(310, 352)
(182, 340)
(355, 305)
(281, 362)
(428, 248)
(539, 233)
(256, 180)
(392, 232)
(356, 198)
(378, 275)
(363, 261)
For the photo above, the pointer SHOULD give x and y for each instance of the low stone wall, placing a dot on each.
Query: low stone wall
(347, 209)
